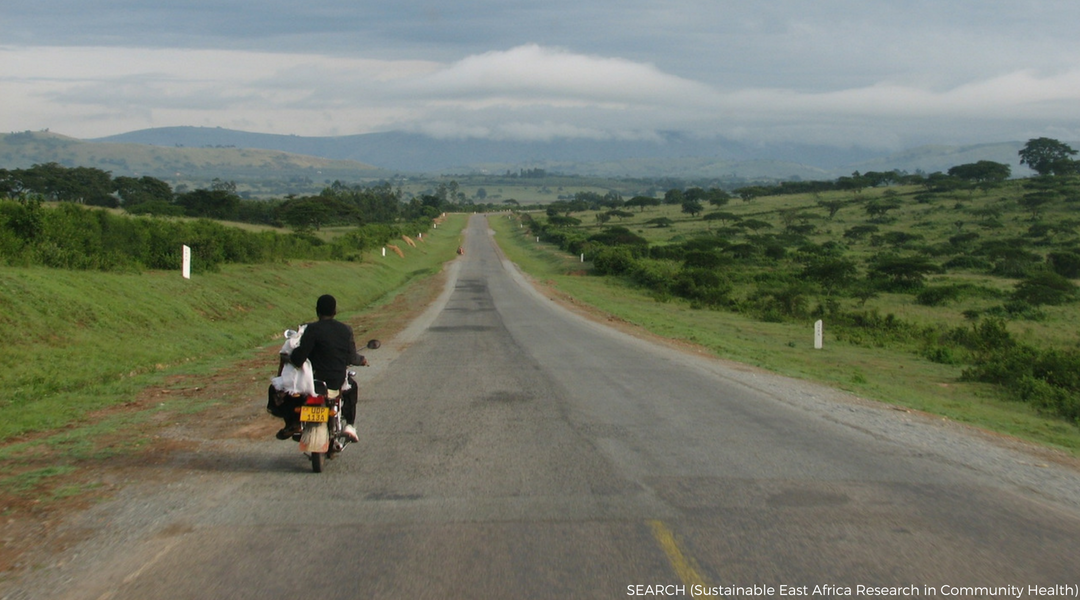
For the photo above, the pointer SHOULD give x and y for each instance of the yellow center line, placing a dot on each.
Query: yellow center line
(683, 566)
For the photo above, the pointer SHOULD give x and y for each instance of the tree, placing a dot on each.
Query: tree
(982, 171)
(718, 197)
(563, 221)
(833, 206)
(858, 232)
(832, 273)
(695, 194)
(877, 208)
(854, 184)
(641, 202)
(1047, 156)
(748, 193)
(900, 273)
(673, 196)
(723, 217)
(1045, 288)
(755, 224)
(692, 207)
(134, 191)
(1066, 264)
(1036, 201)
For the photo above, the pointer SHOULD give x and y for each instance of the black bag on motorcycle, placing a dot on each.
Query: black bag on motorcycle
(281, 404)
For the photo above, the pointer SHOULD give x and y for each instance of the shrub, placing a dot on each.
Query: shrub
(943, 355)
(900, 273)
(1066, 264)
(705, 259)
(1047, 379)
(936, 296)
(1046, 288)
(775, 303)
(613, 260)
(702, 286)
(970, 263)
(655, 275)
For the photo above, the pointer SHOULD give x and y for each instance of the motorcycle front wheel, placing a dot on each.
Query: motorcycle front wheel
(318, 459)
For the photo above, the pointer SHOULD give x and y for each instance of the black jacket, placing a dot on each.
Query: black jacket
(330, 347)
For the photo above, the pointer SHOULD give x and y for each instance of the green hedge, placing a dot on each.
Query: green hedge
(70, 236)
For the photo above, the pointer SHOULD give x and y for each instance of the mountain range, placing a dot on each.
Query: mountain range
(668, 155)
(199, 154)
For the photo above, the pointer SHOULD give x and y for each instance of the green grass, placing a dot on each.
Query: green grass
(88, 340)
(895, 376)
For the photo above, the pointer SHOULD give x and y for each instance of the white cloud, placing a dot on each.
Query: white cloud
(528, 92)
(532, 74)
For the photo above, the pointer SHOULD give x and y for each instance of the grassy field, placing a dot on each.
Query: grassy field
(893, 375)
(88, 340)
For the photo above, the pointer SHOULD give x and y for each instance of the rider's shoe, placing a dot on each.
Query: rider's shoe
(288, 431)
(350, 432)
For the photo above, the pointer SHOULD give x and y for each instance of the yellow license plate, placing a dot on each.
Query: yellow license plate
(314, 414)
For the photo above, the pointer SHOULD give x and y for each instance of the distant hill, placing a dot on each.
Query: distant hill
(199, 154)
(179, 164)
(941, 158)
(672, 155)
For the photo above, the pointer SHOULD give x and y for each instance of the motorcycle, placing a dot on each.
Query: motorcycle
(322, 426)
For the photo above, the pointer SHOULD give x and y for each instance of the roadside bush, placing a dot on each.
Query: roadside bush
(1047, 379)
(71, 236)
(613, 260)
(703, 287)
(655, 275)
(775, 304)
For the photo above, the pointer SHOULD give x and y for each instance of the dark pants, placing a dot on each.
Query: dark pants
(348, 403)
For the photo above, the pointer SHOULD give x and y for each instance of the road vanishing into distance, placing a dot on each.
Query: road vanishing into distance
(513, 449)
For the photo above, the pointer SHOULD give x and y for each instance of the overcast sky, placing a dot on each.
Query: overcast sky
(887, 74)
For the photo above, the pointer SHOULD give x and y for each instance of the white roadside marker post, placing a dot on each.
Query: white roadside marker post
(185, 268)
(818, 335)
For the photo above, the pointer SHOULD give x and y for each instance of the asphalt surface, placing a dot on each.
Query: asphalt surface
(511, 449)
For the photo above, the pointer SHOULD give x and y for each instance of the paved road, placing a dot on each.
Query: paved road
(513, 450)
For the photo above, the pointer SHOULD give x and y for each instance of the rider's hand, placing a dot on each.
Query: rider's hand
(363, 362)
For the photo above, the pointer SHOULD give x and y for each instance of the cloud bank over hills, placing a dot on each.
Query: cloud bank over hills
(832, 73)
(668, 154)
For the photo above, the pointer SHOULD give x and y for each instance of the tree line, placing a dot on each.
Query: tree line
(70, 236)
(339, 204)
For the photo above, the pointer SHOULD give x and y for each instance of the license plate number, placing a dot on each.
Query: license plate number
(314, 414)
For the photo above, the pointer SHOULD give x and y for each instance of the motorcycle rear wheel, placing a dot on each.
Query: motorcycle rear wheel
(318, 459)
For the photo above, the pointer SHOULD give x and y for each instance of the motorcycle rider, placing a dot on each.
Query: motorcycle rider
(330, 346)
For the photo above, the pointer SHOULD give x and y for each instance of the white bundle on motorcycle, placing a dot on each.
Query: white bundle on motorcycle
(293, 380)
